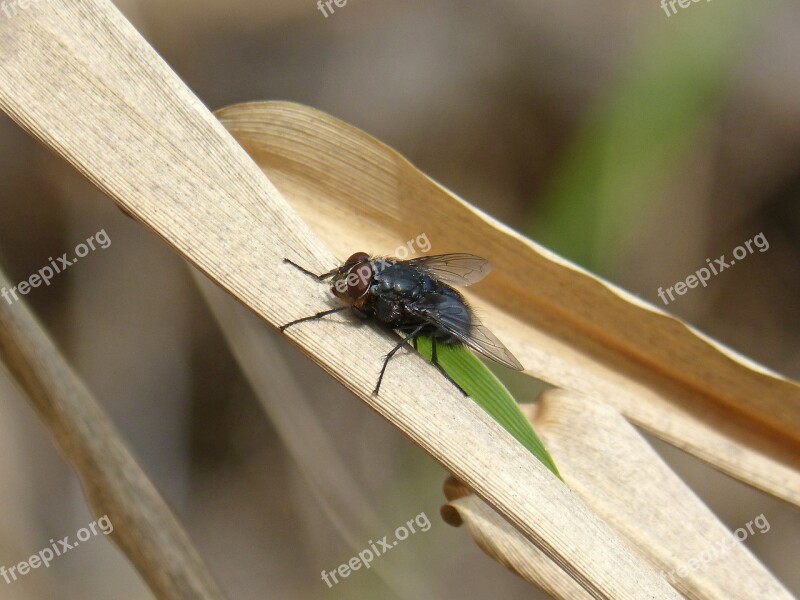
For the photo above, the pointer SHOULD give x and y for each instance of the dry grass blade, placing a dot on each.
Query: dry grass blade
(144, 527)
(615, 471)
(308, 442)
(79, 77)
(505, 544)
(567, 327)
(609, 465)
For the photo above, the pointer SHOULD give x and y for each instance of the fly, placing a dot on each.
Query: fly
(415, 298)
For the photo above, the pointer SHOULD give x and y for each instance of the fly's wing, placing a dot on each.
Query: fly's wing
(462, 323)
(454, 269)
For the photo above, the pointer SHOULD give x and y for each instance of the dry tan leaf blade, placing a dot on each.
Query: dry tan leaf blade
(568, 327)
(608, 464)
(505, 544)
(80, 78)
(612, 468)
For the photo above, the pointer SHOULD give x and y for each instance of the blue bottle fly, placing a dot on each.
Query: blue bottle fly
(415, 298)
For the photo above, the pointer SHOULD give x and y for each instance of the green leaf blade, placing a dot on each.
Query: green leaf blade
(490, 394)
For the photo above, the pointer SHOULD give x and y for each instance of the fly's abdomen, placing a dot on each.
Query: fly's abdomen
(449, 312)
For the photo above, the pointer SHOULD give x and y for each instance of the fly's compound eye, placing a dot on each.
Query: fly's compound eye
(359, 278)
(356, 258)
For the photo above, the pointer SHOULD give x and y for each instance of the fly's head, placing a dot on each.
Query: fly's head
(353, 278)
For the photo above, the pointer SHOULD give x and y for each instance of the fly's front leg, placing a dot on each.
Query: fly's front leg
(359, 313)
(322, 277)
(319, 315)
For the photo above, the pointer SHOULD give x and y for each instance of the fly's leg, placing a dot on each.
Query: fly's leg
(359, 313)
(319, 315)
(322, 277)
(435, 361)
(392, 352)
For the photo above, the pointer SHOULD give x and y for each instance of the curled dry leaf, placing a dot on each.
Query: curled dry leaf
(608, 464)
(505, 544)
(568, 327)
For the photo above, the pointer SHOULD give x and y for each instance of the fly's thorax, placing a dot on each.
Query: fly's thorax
(381, 263)
(404, 282)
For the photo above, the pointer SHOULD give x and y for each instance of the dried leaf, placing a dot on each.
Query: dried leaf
(80, 78)
(608, 464)
(639, 495)
(505, 544)
(568, 327)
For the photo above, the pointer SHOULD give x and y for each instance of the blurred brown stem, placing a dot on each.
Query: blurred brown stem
(115, 485)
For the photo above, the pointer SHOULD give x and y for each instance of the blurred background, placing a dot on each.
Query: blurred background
(634, 143)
